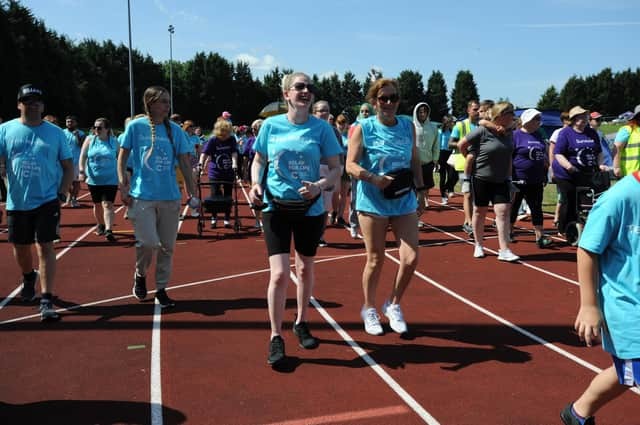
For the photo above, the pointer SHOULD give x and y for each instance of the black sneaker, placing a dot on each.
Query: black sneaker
(276, 350)
(543, 242)
(341, 222)
(569, 419)
(139, 286)
(164, 300)
(322, 242)
(307, 341)
(100, 229)
(28, 291)
(47, 312)
(108, 234)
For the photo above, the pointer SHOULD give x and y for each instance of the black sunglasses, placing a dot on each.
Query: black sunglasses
(389, 99)
(301, 86)
(98, 128)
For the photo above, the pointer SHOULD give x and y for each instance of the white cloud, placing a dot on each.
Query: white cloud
(264, 63)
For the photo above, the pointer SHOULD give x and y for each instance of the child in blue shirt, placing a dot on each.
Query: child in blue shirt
(609, 275)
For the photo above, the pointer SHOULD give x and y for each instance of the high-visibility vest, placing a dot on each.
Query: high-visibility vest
(464, 128)
(630, 155)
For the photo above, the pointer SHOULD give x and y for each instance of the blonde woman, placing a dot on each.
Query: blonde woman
(153, 196)
(290, 147)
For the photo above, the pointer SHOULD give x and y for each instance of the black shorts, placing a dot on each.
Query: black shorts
(306, 231)
(40, 225)
(103, 193)
(427, 175)
(484, 192)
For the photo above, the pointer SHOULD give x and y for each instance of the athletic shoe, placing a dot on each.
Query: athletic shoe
(307, 341)
(332, 218)
(195, 213)
(507, 255)
(543, 242)
(214, 223)
(568, 418)
(126, 213)
(341, 222)
(163, 299)
(47, 312)
(227, 224)
(139, 286)
(466, 227)
(28, 291)
(445, 201)
(100, 229)
(75, 203)
(322, 243)
(396, 319)
(371, 320)
(108, 234)
(276, 350)
(258, 225)
(426, 203)
(478, 252)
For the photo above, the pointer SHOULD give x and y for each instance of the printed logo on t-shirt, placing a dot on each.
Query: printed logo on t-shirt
(586, 157)
(292, 166)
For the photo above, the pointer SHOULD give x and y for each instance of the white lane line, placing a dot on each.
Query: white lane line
(505, 322)
(156, 368)
(13, 293)
(524, 263)
(392, 383)
(156, 381)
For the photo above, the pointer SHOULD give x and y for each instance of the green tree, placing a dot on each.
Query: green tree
(411, 91)
(464, 90)
(549, 99)
(352, 95)
(436, 96)
(573, 93)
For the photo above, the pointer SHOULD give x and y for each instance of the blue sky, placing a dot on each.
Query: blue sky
(514, 49)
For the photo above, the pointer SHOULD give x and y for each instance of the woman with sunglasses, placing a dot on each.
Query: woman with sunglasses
(491, 177)
(530, 166)
(99, 168)
(379, 145)
(289, 148)
(153, 195)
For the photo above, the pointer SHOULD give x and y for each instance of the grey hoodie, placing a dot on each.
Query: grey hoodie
(426, 137)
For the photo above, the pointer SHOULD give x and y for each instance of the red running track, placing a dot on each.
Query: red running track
(490, 342)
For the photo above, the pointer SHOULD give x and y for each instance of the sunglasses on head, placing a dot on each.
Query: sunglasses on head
(389, 99)
(301, 86)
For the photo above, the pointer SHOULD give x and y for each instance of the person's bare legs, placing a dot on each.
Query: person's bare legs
(477, 223)
(602, 389)
(405, 230)
(374, 230)
(503, 224)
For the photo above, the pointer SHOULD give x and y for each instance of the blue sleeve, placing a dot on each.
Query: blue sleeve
(127, 136)
(182, 143)
(64, 152)
(260, 146)
(329, 146)
(623, 135)
(3, 148)
(455, 133)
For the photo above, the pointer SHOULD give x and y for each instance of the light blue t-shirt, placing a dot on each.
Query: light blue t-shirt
(102, 163)
(623, 135)
(194, 140)
(294, 152)
(33, 156)
(74, 144)
(443, 139)
(613, 232)
(154, 179)
(385, 149)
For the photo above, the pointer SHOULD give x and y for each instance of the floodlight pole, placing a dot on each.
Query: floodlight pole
(131, 92)
(171, 31)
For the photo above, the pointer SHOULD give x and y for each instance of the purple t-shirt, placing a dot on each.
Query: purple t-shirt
(220, 151)
(529, 157)
(581, 149)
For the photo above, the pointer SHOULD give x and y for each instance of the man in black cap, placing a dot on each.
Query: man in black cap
(32, 151)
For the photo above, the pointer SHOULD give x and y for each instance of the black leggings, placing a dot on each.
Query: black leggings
(222, 189)
(448, 175)
(532, 193)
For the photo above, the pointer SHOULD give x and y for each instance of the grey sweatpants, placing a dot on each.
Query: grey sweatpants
(156, 227)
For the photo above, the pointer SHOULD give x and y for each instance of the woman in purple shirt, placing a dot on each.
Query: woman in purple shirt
(223, 151)
(530, 165)
(577, 156)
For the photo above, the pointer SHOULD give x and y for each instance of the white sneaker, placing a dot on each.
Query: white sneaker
(354, 232)
(507, 255)
(478, 252)
(445, 201)
(227, 224)
(394, 314)
(75, 203)
(371, 320)
(195, 213)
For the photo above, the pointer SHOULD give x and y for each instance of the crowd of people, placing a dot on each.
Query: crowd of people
(304, 167)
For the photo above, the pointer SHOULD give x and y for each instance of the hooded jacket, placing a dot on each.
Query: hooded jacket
(426, 136)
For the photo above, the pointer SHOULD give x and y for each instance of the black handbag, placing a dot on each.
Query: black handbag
(401, 184)
(294, 208)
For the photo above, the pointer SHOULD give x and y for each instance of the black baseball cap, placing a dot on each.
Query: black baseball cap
(29, 90)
